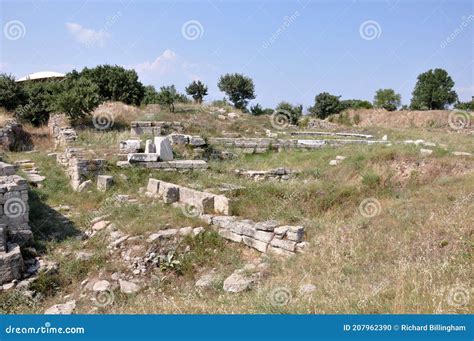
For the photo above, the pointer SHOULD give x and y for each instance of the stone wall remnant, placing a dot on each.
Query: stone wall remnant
(155, 128)
(14, 138)
(61, 130)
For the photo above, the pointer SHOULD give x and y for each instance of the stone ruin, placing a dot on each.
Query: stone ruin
(277, 174)
(267, 236)
(14, 228)
(155, 128)
(14, 138)
(60, 129)
(192, 201)
(79, 169)
(158, 154)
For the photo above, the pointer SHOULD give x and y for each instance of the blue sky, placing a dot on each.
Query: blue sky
(293, 50)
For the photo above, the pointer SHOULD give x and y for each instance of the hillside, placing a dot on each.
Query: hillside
(387, 225)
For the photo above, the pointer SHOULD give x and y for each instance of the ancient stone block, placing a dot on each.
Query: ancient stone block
(295, 233)
(288, 245)
(268, 225)
(130, 146)
(221, 204)
(149, 147)
(142, 157)
(230, 235)
(163, 148)
(104, 182)
(11, 264)
(153, 186)
(203, 201)
(256, 244)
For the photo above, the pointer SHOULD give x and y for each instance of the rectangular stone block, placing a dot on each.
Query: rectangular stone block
(153, 186)
(203, 201)
(142, 157)
(168, 192)
(221, 204)
(268, 225)
(104, 182)
(288, 245)
(295, 233)
(223, 221)
(11, 264)
(256, 244)
(163, 148)
(129, 146)
(230, 235)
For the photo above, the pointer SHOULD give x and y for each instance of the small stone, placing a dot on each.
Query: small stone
(61, 309)
(101, 285)
(84, 255)
(333, 162)
(198, 230)
(128, 287)
(340, 158)
(100, 225)
(426, 151)
(384, 138)
(104, 182)
(84, 186)
(206, 280)
(307, 288)
(238, 282)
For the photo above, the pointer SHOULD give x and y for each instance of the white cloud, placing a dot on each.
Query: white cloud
(87, 36)
(167, 62)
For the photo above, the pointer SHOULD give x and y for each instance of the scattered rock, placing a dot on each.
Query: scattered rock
(426, 151)
(128, 287)
(238, 282)
(101, 285)
(206, 280)
(85, 186)
(84, 255)
(307, 288)
(61, 309)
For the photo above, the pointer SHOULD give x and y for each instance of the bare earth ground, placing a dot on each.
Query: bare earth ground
(414, 256)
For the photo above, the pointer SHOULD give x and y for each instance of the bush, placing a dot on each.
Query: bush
(39, 104)
(150, 95)
(356, 104)
(11, 93)
(116, 83)
(257, 110)
(76, 98)
(292, 112)
(239, 88)
(326, 105)
(465, 105)
(387, 99)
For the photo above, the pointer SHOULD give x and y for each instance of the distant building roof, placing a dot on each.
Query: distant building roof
(41, 75)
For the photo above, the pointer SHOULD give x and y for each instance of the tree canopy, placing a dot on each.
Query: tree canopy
(239, 88)
(433, 91)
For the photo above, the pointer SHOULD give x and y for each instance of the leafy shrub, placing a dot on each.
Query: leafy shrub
(326, 105)
(433, 91)
(39, 104)
(387, 99)
(257, 110)
(292, 112)
(11, 93)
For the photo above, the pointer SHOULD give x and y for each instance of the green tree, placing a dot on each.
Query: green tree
(387, 99)
(116, 83)
(325, 105)
(150, 96)
(76, 97)
(433, 91)
(465, 105)
(293, 113)
(197, 90)
(168, 96)
(12, 93)
(239, 88)
(40, 99)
